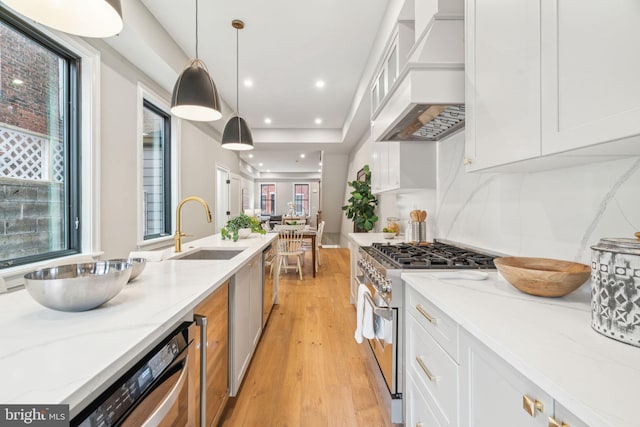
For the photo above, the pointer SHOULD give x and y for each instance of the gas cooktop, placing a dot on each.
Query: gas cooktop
(436, 255)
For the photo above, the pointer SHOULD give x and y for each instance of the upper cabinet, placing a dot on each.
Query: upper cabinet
(544, 78)
(402, 166)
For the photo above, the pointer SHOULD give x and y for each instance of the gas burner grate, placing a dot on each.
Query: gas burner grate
(436, 255)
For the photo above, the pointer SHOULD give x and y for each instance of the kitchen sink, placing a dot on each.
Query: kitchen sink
(212, 254)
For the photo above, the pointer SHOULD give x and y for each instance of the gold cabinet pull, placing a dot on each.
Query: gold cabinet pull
(425, 314)
(428, 373)
(530, 405)
(555, 423)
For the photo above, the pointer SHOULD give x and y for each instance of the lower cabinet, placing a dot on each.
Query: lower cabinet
(213, 313)
(245, 318)
(453, 379)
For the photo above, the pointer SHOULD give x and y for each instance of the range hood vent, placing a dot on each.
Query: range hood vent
(427, 123)
(426, 103)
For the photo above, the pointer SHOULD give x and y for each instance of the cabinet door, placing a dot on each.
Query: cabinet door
(255, 300)
(590, 84)
(563, 417)
(492, 392)
(216, 309)
(241, 337)
(502, 85)
(379, 173)
(393, 165)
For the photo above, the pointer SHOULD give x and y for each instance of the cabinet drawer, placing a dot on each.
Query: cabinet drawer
(433, 371)
(441, 327)
(419, 413)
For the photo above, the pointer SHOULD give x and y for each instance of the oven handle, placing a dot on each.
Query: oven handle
(384, 312)
(158, 415)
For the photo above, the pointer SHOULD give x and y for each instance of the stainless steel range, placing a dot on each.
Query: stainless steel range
(379, 268)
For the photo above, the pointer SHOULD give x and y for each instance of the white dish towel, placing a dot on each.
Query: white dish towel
(364, 315)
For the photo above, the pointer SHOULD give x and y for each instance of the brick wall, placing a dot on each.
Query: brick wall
(33, 105)
(31, 218)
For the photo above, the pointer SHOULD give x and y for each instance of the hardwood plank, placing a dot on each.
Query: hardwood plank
(308, 370)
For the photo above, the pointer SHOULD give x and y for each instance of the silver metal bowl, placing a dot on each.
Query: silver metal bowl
(78, 287)
(138, 265)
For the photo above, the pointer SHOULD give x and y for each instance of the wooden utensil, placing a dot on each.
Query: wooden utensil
(414, 215)
(423, 216)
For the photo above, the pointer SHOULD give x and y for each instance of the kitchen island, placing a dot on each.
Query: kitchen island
(49, 357)
(546, 342)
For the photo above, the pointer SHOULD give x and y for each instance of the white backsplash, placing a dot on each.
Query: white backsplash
(555, 214)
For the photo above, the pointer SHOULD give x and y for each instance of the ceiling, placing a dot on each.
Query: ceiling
(284, 49)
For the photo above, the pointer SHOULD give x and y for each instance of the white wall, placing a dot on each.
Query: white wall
(555, 214)
(199, 151)
(334, 178)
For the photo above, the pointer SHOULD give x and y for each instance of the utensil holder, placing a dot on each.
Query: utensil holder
(417, 232)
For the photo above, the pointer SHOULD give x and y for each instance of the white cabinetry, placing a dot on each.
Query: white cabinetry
(245, 318)
(543, 78)
(590, 84)
(431, 365)
(502, 88)
(402, 166)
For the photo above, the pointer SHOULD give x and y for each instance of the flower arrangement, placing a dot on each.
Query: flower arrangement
(230, 231)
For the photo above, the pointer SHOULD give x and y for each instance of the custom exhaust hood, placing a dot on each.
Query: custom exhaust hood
(426, 103)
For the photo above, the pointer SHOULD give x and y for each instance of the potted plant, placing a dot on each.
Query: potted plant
(241, 222)
(362, 203)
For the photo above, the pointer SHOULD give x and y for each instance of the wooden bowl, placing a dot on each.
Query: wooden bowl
(543, 276)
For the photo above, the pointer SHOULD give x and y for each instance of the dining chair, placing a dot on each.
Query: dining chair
(306, 246)
(290, 245)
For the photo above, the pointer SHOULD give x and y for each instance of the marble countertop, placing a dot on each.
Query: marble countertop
(366, 239)
(48, 356)
(549, 340)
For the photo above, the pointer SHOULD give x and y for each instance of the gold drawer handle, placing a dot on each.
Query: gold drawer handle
(425, 314)
(530, 405)
(428, 373)
(555, 423)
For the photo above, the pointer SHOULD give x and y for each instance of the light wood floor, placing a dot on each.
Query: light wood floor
(308, 370)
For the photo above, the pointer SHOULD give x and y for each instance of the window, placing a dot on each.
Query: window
(268, 199)
(301, 199)
(156, 175)
(39, 146)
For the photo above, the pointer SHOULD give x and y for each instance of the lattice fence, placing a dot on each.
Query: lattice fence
(29, 156)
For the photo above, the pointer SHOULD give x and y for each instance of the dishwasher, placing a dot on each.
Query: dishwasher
(155, 392)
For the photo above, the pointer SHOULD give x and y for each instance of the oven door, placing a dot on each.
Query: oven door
(384, 343)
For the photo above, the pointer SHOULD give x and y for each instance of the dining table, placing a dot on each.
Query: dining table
(309, 234)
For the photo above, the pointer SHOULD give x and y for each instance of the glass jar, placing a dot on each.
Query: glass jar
(393, 224)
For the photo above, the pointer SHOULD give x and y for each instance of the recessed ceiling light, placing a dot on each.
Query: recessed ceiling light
(268, 170)
(260, 164)
(267, 121)
(251, 156)
(319, 163)
(318, 121)
(319, 170)
(319, 84)
(17, 82)
(302, 156)
(248, 83)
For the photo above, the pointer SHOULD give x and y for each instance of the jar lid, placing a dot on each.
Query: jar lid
(619, 244)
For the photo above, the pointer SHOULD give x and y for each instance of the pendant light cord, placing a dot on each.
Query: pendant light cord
(197, 29)
(237, 73)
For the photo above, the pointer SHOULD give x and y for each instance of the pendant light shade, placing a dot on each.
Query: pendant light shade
(87, 18)
(195, 96)
(237, 135)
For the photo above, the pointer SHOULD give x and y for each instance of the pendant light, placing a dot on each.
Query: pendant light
(237, 135)
(195, 96)
(87, 18)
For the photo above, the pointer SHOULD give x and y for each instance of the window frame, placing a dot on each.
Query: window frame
(275, 199)
(88, 130)
(71, 139)
(308, 199)
(145, 93)
(166, 169)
